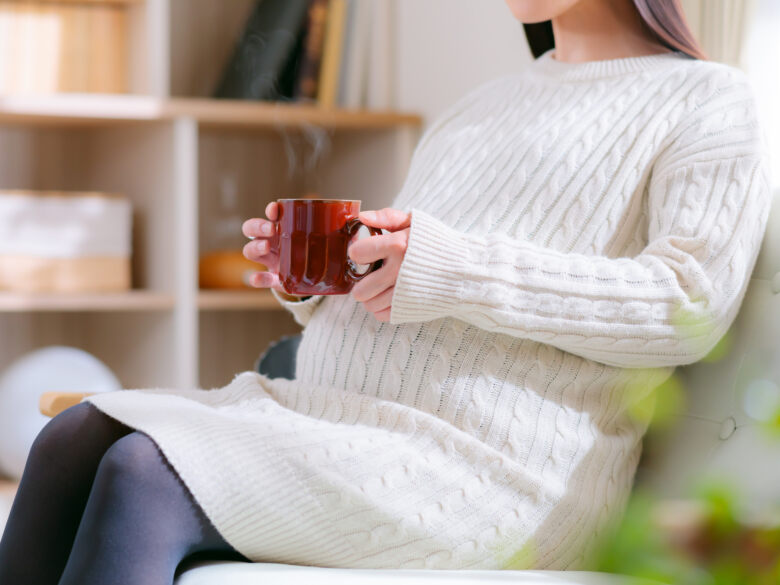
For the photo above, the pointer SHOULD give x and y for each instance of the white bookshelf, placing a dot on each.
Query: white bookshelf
(167, 146)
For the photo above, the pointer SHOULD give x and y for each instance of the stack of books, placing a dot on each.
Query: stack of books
(335, 53)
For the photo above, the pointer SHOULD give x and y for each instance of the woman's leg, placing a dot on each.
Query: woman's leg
(140, 521)
(53, 492)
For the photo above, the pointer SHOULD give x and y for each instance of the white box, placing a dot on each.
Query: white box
(64, 241)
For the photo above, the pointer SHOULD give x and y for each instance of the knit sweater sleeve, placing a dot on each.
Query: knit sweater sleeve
(301, 310)
(707, 200)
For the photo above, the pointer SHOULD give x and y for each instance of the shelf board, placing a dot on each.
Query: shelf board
(227, 113)
(95, 1)
(137, 300)
(237, 300)
(79, 109)
(106, 109)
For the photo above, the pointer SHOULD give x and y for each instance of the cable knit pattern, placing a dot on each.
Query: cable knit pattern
(578, 230)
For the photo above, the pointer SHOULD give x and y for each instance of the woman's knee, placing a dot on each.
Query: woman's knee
(132, 460)
(135, 480)
(61, 435)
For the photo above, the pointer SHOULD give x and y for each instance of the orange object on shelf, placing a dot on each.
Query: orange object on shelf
(226, 269)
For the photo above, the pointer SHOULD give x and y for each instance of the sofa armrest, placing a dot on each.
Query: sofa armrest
(52, 403)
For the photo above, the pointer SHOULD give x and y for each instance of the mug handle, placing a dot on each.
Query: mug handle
(352, 227)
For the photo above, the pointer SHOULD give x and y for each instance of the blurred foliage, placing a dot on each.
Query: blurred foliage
(660, 406)
(708, 547)
(721, 348)
(772, 424)
(695, 329)
(638, 549)
(706, 539)
(523, 559)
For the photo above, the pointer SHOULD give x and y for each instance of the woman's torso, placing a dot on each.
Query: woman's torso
(564, 165)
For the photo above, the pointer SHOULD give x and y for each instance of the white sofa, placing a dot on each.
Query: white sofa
(228, 573)
(715, 437)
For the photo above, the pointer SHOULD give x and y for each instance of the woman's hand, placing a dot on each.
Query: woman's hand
(259, 249)
(375, 291)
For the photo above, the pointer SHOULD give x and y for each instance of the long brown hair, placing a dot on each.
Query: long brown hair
(665, 19)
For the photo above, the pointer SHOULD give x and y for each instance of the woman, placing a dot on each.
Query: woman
(566, 236)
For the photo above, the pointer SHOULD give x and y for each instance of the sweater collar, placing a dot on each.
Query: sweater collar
(547, 66)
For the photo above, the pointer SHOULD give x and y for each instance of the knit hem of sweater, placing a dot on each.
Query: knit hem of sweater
(427, 287)
(301, 310)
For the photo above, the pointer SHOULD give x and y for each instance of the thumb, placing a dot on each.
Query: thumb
(389, 219)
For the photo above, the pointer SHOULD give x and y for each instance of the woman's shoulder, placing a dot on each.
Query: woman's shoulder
(717, 116)
(706, 82)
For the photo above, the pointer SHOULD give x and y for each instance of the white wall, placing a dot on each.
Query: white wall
(761, 56)
(447, 47)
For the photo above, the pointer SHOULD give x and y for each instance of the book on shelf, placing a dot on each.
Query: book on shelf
(265, 62)
(332, 53)
(368, 66)
(354, 61)
(335, 52)
(307, 84)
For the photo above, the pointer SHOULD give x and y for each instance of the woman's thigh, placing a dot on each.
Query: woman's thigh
(53, 493)
(140, 521)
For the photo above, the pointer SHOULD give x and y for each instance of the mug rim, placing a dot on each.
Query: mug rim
(321, 200)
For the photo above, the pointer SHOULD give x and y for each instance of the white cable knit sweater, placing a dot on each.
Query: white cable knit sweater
(578, 230)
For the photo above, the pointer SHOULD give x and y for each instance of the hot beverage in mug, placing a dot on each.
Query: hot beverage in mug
(311, 238)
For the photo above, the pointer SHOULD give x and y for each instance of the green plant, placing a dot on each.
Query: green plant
(701, 541)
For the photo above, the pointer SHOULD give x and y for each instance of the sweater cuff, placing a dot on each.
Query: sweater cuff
(301, 310)
(430, 280)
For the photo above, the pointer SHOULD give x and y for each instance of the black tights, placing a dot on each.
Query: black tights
(98, 503)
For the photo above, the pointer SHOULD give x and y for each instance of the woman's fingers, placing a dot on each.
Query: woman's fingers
(375, 283)
(262, 228)
(258, 228)
(383, 316)
(376, 248)
(259, 251)
(265, 280)
(256, 250)
(380, 302)
(272, 211)
(389, 219)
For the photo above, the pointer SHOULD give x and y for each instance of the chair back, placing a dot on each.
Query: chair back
(278, 361)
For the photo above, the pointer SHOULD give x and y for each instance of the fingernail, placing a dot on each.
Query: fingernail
(370, 215)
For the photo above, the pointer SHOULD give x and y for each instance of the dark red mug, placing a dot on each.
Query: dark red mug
(311, 238)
